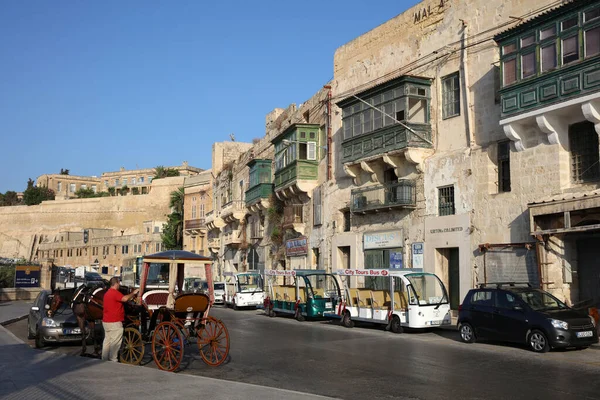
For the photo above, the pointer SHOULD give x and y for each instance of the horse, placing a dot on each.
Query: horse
(87, 303)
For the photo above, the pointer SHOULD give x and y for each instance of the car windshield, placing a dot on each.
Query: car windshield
(219, 286)
(428, 289)
(250, 282)
(90, 276)
(541, 301)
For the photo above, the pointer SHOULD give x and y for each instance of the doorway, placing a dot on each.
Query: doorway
(448, 270)
(588, 270)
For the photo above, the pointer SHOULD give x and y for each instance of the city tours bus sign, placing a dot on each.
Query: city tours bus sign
(279, 272)
(363, 272)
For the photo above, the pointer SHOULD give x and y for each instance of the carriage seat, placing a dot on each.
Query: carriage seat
(154, 299)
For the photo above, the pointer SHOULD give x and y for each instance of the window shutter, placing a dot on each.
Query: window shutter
(312, 151)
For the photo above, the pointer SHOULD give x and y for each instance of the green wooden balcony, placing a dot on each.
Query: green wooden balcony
(557, 86)
(391, 138)
(297, 170)
(258, 192)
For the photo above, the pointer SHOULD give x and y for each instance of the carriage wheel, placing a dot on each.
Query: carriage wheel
(167, 346)
(213, 341)
(132, 347)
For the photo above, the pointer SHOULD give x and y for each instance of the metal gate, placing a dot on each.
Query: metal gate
(511, 264)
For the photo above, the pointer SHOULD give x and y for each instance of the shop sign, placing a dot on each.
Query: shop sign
(418, 254)
(296, 247)
(382, 240)
(27, 276)
(447, 230)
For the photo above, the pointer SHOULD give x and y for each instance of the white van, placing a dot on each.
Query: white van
(219, 290)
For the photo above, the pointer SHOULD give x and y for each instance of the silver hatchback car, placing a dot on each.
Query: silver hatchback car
(61, 328)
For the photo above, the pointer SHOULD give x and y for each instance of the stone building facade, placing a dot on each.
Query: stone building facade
(457, 137)
(482, 135)
(197, 203)
(138, 181)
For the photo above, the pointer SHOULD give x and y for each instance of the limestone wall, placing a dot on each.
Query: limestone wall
(22, 226)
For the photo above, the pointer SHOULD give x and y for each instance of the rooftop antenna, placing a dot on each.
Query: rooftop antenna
(232, 137)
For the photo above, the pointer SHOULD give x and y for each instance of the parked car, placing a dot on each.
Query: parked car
(219, 292)
(522, 314)
(61, 328)
(89, 279)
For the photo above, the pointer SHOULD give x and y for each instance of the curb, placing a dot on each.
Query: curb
(9, 333)
(13, 320)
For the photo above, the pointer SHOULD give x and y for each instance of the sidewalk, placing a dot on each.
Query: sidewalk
(11, 311)
(30, 374)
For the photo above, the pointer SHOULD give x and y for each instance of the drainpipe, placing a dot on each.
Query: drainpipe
(466, 85)
(328, 87)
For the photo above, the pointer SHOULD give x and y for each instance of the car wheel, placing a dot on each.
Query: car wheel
(538, 341)
(39, 342)
(347, 320)
(396, 326)
(467, 333)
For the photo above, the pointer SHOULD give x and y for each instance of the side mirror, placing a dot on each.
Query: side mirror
(35, 308)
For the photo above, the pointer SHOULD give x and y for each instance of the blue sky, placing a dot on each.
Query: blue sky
(93, 86)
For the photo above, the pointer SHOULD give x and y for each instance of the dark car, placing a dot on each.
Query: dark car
(62, 327)
(89, 279)
(522, 314)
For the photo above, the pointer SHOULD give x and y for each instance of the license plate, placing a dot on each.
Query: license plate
(328, 305)
(585, 334)
(439, 322)
(73, 331)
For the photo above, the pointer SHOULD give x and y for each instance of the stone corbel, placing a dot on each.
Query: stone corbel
(511, 132)
(369, 170)
(551, 127)
(417, 156)
(353, 171)
(394, 162)
(590, 112)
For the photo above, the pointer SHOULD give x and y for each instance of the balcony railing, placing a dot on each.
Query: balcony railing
(389, 195)
(199, 223)
(257, 192)
(384, 140)
(293, 214)
(232, 237)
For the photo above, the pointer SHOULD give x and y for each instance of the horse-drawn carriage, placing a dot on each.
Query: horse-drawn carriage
(166, 319)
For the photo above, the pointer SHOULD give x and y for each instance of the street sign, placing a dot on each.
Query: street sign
(27, 276)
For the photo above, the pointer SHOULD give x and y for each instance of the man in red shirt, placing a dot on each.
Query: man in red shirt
(112, 319)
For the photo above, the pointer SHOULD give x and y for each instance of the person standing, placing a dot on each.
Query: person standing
(112, 319)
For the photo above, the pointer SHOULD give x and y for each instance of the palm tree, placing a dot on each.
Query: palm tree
(172, 236)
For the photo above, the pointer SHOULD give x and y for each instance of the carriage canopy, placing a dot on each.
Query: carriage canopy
(173, 261)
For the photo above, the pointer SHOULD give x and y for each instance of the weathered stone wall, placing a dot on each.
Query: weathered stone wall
(21, 227)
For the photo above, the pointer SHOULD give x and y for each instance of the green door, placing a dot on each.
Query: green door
(454, 278)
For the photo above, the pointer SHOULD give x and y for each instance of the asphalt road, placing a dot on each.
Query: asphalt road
(367, 362)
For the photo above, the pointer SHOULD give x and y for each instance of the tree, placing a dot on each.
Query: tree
(36, 194)
(64, 171)
(85, 193)
(172, 236)
(162, 172)
(10, 198)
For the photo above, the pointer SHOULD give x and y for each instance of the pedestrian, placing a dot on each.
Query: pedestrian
(112, 319)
